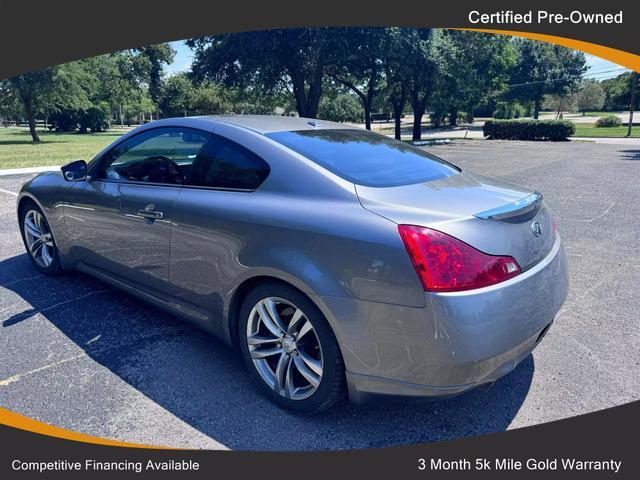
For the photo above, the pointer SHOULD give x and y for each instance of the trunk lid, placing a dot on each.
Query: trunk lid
(494, 217)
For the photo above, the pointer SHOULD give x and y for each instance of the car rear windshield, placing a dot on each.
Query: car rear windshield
(365, 158)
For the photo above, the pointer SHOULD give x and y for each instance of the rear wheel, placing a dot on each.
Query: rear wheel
(290, 350)
(38, 239)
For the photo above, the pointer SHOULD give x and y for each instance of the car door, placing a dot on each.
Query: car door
(212, 221)
(119, 220)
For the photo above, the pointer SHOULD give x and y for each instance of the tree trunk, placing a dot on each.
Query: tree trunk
(28, 108)
(297, 82)
(397, 128)
(313, 102)
(632, 104)
(367, 117)
(397, 118)
(398, 107)
(418, 105)
(367, 113)
(368, 103)
(536, 108)
(121, 115)
(453, 117)
(417, 123)
(470, 114)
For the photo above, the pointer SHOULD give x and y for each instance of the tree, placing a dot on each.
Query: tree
(177, 96)
(544, 69)
(478, 71)
(181, 97)
(590, 96)
(618, 92)
(48, 90)
(427, 50)
(360, 68)
(10, 106)
(396, 71)
(342, 107)
(211, 99)
(254, 101)
(157, 57)
(559, 103)
(292, 60)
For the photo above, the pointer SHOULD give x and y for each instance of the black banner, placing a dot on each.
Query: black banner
(38, 35)
(598, 445)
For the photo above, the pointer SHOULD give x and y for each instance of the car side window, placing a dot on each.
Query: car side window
(159, 155)
(225, 164)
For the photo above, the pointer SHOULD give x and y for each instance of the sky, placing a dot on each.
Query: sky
(599, 69)
(182, 60)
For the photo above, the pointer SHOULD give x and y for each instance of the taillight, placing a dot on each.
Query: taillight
(446, 264)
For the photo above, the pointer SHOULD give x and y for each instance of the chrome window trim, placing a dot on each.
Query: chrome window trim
(173, 185)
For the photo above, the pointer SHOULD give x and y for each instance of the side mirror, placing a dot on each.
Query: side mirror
(75, 171)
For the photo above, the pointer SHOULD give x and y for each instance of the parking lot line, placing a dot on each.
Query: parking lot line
(9, 192)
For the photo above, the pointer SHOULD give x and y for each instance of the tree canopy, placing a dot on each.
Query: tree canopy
(342, 73)
(544, 69)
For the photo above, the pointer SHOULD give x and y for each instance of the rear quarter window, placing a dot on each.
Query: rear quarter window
(225, 164)
(366, 158)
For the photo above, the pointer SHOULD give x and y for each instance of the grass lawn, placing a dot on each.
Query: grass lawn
(604, 114)
(17, 150)
(589, 130)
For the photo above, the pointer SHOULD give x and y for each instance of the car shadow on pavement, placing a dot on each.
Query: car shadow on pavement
(630, 154)
(202, 382)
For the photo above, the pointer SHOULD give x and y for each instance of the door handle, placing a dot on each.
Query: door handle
(150, 212)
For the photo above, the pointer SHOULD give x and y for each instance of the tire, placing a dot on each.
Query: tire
(294, 359)
(45, 254)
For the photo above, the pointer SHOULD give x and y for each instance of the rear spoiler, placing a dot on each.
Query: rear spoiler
(528, 205)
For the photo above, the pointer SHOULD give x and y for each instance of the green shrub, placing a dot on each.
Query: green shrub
(508, 110)
(608, 121)
(96, 118)
(528, 129)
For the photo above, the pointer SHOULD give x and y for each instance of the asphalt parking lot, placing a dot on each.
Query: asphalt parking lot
(77, 354)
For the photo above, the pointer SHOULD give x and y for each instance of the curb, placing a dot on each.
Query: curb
(22, 171)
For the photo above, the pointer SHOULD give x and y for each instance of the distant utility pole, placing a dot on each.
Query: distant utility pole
(634, 87)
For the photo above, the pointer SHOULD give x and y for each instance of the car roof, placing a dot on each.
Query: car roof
(275, 123)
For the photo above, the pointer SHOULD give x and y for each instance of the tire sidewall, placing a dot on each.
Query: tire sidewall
(330, 351)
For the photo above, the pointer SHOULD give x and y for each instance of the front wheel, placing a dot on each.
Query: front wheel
(289, 349)
(38, 239)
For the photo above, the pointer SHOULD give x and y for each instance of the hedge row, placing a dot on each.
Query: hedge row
(528, 129)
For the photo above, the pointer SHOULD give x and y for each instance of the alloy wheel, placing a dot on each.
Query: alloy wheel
(39, 238)
(284, 348)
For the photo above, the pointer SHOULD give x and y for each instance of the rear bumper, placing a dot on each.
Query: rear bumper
(457, 342)
(363, 388)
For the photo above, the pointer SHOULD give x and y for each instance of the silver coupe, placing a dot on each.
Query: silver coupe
(335, 259)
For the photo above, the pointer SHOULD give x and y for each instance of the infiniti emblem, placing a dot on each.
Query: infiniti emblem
(536, 228)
